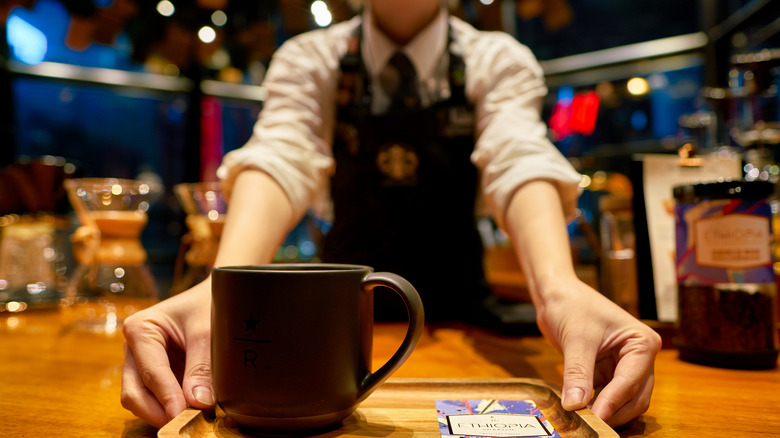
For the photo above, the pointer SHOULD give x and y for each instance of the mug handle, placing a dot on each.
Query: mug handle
(416, 324)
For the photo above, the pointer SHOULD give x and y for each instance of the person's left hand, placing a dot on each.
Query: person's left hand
(605, 350)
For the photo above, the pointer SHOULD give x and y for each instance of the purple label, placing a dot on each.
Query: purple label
(501, 410)
(724, 241)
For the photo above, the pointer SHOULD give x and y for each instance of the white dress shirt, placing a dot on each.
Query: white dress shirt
(292, 138)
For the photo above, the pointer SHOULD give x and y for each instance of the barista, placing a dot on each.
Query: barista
(396, 173)
(404, 178)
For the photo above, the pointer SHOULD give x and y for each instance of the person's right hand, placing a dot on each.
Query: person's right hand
(167, 357)
(168, 346)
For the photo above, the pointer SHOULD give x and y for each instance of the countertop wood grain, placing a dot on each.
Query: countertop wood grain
(60, 382)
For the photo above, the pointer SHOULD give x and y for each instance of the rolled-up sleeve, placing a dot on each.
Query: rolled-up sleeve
(506, 82)
(292, 136)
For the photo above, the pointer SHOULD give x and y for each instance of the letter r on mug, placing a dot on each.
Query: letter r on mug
(249, 357)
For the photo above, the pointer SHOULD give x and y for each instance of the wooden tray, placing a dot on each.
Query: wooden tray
(405, 408)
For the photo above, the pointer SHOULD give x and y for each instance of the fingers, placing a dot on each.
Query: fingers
(149, 387)
(136, 398)
(627, 395)
(197, 375)
(635, 407)
(578, 363)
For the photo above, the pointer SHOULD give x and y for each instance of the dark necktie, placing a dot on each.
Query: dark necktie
(399, 80)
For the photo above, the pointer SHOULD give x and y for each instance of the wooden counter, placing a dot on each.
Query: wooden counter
(60, 383)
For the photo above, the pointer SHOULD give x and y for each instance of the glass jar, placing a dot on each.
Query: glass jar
(726, 290)
(618, 276)
(34, 261)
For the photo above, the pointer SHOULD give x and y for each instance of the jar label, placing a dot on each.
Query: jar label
(735, 241)
(724, 241)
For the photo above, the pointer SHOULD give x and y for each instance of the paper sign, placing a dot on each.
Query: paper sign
(492, 418)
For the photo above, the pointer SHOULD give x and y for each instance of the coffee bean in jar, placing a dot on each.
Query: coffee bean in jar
(726, 292)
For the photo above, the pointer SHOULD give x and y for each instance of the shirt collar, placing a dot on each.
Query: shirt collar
(424, 50)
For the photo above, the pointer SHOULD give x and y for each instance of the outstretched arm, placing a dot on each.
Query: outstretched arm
(605, 349)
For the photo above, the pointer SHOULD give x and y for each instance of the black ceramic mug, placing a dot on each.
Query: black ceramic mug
(291, 343)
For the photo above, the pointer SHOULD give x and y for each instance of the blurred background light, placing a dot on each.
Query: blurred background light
(207, 34)
(28, 43)
(219, 18)
(565, 95)
(638, 86)
(165, 8)
(639, 120)
(322, 15)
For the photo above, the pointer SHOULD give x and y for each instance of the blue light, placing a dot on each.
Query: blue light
(565, 95)
(638, 120)
(28, 43)
(308, 248)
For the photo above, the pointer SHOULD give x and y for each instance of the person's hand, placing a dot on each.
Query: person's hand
(167, 357)
(605, 350)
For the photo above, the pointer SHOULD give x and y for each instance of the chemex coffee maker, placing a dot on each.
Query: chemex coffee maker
(205, 206)
(112, 279)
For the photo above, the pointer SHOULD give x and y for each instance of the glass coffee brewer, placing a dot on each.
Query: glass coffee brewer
(205, 206)
(112, 280)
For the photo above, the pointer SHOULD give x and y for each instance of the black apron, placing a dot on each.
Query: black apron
(404, 193)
